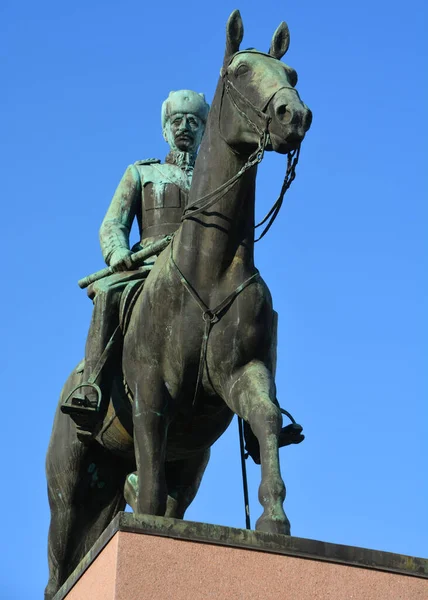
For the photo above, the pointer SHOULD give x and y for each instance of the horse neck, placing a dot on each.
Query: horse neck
(218, 244)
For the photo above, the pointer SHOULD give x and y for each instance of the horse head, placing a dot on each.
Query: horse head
(258, 96)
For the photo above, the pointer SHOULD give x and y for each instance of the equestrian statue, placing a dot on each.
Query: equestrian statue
(183, 334)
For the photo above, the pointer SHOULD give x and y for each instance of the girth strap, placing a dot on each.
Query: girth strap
(209, 315)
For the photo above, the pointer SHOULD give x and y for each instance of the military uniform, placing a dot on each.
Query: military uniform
(155, 195)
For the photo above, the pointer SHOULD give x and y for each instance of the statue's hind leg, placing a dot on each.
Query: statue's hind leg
(85, 489)
(251, 395)
(183, 478)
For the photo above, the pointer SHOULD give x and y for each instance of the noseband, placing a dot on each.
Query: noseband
(236, 97)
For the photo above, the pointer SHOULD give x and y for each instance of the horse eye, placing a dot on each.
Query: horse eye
(293, 78)
(241, 70)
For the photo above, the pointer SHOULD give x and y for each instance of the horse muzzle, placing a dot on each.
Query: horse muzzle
(290, 120)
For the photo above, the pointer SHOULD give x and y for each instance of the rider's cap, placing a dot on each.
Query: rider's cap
(185, 101)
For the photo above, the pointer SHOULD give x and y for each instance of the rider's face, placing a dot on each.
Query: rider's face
(187, 130)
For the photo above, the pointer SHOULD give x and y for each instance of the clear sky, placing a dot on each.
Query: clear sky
(82, 86)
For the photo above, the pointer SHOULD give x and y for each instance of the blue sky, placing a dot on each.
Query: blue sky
(346, 260)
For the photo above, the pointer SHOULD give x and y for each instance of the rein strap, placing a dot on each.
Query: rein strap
(254, 159)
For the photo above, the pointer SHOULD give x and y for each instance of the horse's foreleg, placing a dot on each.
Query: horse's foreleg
(251, 395)
(150, 435)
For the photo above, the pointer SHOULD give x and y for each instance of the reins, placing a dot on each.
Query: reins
(195, 208)
(290, 174)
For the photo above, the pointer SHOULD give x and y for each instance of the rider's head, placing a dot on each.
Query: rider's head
(184, 114)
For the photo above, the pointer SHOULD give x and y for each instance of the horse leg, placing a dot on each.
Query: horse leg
(85, 489)
(62, 469)
(251, 395)
(150, 436)
(183, 480)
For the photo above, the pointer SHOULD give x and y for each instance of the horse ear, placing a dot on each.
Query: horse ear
(234, 34)
(280, 41)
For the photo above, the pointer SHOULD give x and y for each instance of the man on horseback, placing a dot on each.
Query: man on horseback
(155, 194)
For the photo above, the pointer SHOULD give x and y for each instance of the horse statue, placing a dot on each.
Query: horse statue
(200, 342)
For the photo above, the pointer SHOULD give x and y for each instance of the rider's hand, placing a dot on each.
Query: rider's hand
(120, 260)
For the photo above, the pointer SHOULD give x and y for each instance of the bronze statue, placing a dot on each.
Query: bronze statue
(155, 195)
(199, 343)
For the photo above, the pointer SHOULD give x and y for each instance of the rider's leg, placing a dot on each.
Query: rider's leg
(106, 294)
(85, 407)
(105, 319)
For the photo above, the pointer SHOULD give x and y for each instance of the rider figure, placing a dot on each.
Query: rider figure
(155, 194)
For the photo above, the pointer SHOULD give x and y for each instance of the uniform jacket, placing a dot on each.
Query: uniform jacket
(153, 193)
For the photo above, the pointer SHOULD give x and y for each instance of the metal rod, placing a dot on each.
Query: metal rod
(244, 473)
(137, 258)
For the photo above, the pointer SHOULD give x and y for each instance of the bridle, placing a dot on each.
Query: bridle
(262, 129)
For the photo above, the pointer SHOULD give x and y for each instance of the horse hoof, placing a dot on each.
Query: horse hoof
(270, 525)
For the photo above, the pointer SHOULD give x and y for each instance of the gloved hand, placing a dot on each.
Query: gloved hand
(120, 260)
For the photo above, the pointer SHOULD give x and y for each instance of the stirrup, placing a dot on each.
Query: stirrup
(79, 403)
(291, 434)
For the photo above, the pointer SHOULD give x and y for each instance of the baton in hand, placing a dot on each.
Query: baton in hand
(136, 259)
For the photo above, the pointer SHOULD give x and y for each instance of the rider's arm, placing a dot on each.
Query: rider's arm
(115, 228)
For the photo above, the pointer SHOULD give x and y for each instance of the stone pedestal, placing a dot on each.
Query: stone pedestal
(150, 558)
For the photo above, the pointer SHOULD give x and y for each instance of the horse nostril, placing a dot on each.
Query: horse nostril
(283, 113)
(308, 119)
